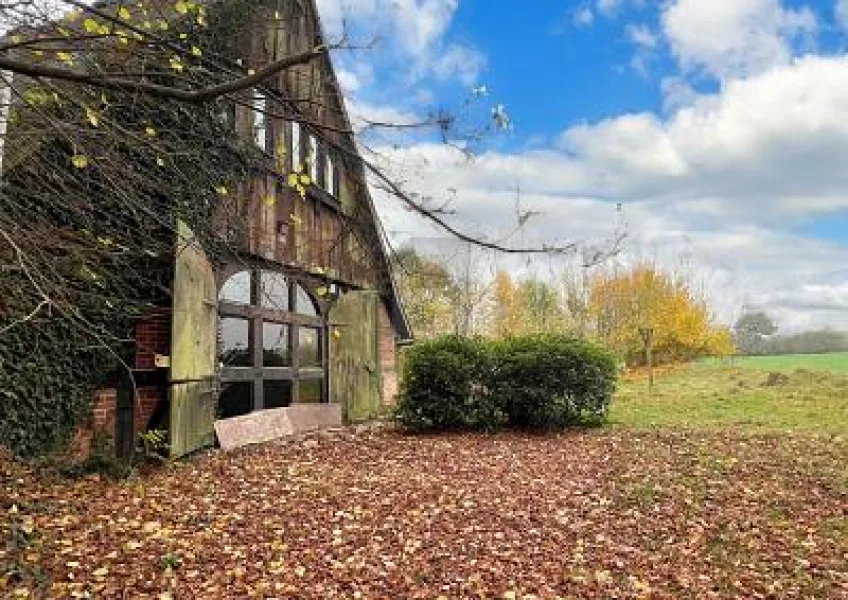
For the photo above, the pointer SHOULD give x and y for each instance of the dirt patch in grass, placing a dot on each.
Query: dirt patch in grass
(617, 514)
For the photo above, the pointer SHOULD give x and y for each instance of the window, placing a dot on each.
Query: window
(260, 119)
(236, 399)
(312, 157)
(259, 306)
(330, 175)
(236, 289)
(303, 302)
(308, 348)
(274, 292)
(275, 343)
(234, 342)
(296, 158)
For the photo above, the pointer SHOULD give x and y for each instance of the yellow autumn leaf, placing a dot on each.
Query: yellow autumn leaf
(150, 131)
(196, 51)
(222, 190)
(181, 7)
(91, 26)
(160, 162)
(176, 64)
(124, 13)
(80, 161)
(65, 57)
(292, 180)
(305, 180)
(93, 117)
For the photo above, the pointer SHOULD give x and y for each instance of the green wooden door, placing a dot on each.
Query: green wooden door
(194, 334)
(354, 356)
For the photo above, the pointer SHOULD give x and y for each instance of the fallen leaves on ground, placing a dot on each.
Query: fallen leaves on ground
(606, 514)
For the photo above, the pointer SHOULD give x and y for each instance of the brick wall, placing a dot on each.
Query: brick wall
(153, 336)
(387, 346)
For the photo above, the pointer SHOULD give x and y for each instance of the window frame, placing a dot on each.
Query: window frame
(258, 315)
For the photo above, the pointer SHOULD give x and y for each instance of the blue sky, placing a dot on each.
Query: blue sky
(720, 127)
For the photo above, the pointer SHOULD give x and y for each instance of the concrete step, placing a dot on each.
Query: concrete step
(267, 425)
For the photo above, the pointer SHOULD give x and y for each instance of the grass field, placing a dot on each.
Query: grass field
(833, 363)
(705, 396)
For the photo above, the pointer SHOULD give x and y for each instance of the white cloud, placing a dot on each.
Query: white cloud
(642, 36)
(611, 8)
(407, 32)
(734, 37)
(584, 17)
(459, 62)
(723, 180)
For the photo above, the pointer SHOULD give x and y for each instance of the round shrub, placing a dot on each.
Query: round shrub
(552, 381)
(442, 387)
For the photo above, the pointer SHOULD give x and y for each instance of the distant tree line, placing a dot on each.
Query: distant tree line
(633, 310)
(756, 333)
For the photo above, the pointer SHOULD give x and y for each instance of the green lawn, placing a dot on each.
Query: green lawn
(710, 397)
(833, 363)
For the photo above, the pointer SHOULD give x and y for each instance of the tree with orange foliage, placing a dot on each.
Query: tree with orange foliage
(506, 317)
(645, 309)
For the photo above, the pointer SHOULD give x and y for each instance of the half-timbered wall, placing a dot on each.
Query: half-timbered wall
(298, 120)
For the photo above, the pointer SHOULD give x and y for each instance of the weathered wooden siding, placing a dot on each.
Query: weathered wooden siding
(316, 233)
(355, 379)
(194, 328)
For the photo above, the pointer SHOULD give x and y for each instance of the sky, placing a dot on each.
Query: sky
(714, 133)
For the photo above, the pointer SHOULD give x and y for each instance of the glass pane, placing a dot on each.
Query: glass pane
(236, 289)
(295, 149)
(275, 291)
(278, 394)
(275, 343)
(234, 342)
(305, 306)
(311, 391)
(308, 349)
(312, 157)
(329, 175)
(236, 399)
(260, 121)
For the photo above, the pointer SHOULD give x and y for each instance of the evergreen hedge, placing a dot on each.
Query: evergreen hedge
(539, 382)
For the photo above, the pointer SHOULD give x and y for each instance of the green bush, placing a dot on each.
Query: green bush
(552, 381)
(543, 382)
(442, 387)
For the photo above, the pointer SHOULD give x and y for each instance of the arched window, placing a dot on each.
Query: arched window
(271, 343)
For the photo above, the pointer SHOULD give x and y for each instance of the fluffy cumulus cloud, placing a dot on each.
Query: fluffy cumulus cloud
(734, 37)
(411, 31)
(720, 183)
(723, 179)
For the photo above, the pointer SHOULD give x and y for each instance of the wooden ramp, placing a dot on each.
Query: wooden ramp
(267, 425)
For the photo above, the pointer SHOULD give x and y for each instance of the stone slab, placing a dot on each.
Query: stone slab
(267, 425)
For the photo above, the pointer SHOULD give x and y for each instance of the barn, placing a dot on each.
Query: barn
(296, 324)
